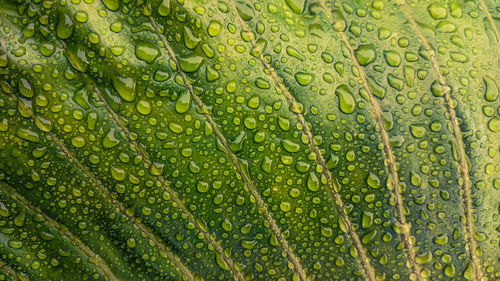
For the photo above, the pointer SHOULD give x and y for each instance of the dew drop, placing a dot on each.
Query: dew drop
(365, 54)
(304, 78)
(146, 51)
(347, 103)
(64, 27)
(125, 86)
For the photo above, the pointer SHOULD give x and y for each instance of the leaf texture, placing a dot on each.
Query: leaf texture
(249, 140)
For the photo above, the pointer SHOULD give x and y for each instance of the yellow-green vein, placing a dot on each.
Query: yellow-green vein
(250, 186)
(403, 225)
(459, 146)
(332, 187)
(118, 205)
(491, 21)
(73, 240)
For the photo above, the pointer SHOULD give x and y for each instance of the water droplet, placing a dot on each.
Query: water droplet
(437, 11)
(261, 83)
(284, 123)
(125, 86)
(304, 78)
(424, 258)
(313, 182)
(392, 58)
(446, 26)
(296, 5)
(285, 206)
(494, 124)
(78, 141)
(469, 273)
(118, 173)
(491, 89)
(190, 40)
(77, 58)
(214, 28)
(144, 107)
(365, 54)
(4, 125)
(131, 242)
(15, 244)
(291, 51)
(4, 211)
(227, 225)
(347, 103)
(183, 103)
(19, 219)
(373, 181)
(266, 164)
(110, 140)
(253, 102)
(27, 135)
(415, 179)
(81, 16)
(441, 239)
(64, 27)
(290, 146)
(450, 270)
(25, 88)
(417, 131)
(146, 51)
(250, 123)
(191, 63)
(176, 128)
(113, 5)
(202, 186)
(367, 219)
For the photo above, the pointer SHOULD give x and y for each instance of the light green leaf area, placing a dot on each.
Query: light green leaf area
(249, 140)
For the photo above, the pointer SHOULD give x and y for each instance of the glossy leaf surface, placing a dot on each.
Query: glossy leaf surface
(249, 140)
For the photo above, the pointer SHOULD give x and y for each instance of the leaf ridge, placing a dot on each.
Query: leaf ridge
(175, 197)
(118, 205)
(387, 152)
(459, 145)
(247, 181)
(363, 259)
(74, 240)
(6, 269)
(492, 22)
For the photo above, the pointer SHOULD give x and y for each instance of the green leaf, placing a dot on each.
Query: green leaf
(249, 140)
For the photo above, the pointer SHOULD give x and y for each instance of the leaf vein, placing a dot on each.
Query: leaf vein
(63, 230)
(247, 181)
(459, 144)
(118, 205)
(362, 258)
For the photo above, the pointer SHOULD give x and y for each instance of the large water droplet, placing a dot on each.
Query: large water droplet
(365, 54)
(491, 89)
(304, 78)
(191, 63)
(125, 86)
(437, 11)
(64, 27)
(296, 5)
(313, 182)
(25, 88)
(110, 140)
(347, 103)
(113, 5)
(146, 51)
